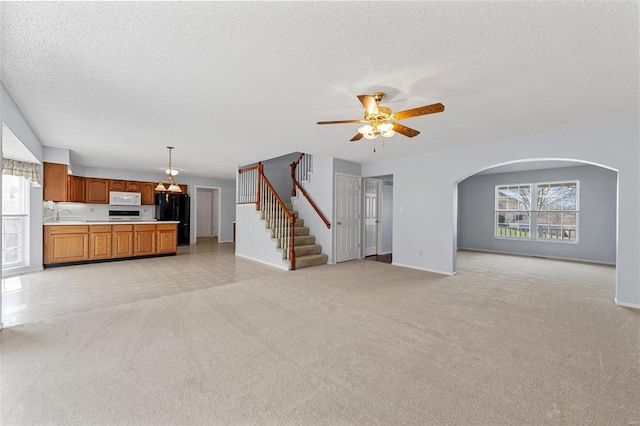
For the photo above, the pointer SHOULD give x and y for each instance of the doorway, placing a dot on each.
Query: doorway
(207, 212)
(378, 213)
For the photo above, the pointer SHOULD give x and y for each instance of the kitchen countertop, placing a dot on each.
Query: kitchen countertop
(108, 222)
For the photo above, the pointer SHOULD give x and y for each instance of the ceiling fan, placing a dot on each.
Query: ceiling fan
(380, 119)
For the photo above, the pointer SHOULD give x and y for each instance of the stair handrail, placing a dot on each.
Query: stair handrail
(297, 184)
(291, 255)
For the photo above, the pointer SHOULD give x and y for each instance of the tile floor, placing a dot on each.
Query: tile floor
(70, 289)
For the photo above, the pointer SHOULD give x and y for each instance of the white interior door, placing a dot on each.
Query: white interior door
(347, 217)
(204, 213)
(371, 219)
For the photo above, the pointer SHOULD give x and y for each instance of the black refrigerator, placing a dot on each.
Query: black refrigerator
(174, 207)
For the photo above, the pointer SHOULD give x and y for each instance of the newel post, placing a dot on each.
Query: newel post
(259, 185)
(293, 179)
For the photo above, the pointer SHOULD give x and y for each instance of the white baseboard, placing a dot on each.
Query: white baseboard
(423, 269)
(7, 273)
(626, 305)
(538, 256)
(263, 262)
(385, 252)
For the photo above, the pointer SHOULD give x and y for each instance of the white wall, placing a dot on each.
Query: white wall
(253, 239)
(596, 222)
(425, 193)
(320, 189)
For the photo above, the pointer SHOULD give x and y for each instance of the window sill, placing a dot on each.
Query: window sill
(531, 240)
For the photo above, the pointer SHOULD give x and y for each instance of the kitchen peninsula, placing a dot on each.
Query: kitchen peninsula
(75, 242)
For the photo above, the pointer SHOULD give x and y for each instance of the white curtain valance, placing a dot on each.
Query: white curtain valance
(27, 170)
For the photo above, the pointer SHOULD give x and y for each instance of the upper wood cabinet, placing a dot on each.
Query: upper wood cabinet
(97, 191)
(75, 189)
(184, 188)
(148, 193)
(54, 184)
(117, 185)
(133, 186)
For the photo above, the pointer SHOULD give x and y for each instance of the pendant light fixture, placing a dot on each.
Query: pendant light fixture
(171, 172)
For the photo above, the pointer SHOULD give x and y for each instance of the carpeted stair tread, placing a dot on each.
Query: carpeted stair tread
(307, 250)
(304, 240)
(298, 231)
(311, 260)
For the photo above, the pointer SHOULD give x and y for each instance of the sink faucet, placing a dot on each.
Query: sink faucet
(60, 211)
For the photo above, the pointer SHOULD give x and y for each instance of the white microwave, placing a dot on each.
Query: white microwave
(125, 198)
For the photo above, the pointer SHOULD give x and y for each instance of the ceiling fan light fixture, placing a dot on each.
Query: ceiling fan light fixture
(385, 127)
(387, 133)
(370, 136)
(365, 129)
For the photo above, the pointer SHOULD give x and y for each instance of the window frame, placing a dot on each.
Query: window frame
(534, 211)
(24, 216)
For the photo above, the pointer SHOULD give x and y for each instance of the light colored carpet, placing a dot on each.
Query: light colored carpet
(509, 340)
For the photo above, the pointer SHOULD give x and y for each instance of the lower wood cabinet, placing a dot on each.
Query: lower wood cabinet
(82, 243)
(122, 240)
(100, 242)
(145, 240)
(167, 238)
(66, 244)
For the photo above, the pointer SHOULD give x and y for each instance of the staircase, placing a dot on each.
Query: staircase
(308, 253)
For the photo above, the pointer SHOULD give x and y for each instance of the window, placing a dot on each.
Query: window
(549, 209)
(15, 221)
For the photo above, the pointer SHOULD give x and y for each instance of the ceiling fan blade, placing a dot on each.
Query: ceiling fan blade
(407, 131)
(341, 122)
(369, 103)
(357, 137)
(423, 110)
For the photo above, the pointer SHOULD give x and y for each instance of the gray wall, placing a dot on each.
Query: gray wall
(597, 218)
(278, 172)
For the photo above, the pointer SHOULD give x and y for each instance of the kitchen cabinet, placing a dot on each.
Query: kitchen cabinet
(167, 238)
(100, 242)
(66, 243)
(122, 237)
(184, 188)
(54, 182)
(148, 193)
(133, 186)
(75, 189)
(86, 243)
(117, 185)
(97, 191)
(144, 237)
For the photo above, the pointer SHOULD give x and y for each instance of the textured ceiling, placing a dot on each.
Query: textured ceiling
(233, 83)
